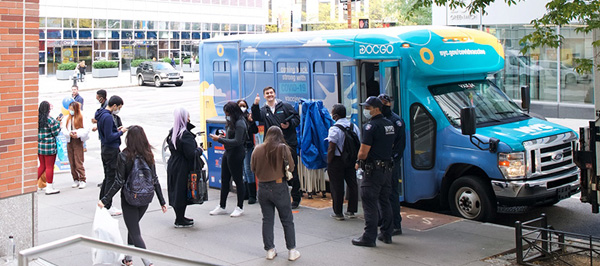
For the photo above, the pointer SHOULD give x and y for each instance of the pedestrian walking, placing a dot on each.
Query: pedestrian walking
(342, 169)
(81, 68)
(48, 130)
(76, 96)
(249, 180)
(183, 149)
(374, 157)
(282, 115)
(268, 162)
(76, 134)
(138, 148)
(232, 163)
(110, 139)
(397, 152)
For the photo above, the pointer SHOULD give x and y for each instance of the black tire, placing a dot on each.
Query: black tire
(178, 84)
(157, 82)
(140, 81)
(471, 198)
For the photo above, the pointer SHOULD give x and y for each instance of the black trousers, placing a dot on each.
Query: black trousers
(109, 162)
(232, 167)
(395, 194)
(375, 194)
(132, 216)
(338, 173)
(295, 182)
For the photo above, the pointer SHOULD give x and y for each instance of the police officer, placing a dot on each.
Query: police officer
(397, 151)
(374, 157)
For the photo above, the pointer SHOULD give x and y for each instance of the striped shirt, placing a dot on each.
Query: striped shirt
(47, 137)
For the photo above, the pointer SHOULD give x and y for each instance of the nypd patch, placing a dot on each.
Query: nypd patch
(389, 130)
(399, 123)
(368, 126)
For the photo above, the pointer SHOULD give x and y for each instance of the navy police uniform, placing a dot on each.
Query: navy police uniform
(378, 133)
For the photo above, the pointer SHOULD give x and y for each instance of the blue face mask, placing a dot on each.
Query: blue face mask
(228, 118)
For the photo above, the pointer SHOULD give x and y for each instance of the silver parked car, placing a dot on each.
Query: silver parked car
(159, 73)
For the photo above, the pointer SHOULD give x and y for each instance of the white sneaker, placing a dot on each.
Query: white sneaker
(82, 184)
(293, 254)
(50, 189)
(271, 254)
(237, 212)
(75, 184)
(218, 210)
(114, 211)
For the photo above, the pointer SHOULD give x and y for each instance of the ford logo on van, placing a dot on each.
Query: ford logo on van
(557, 156)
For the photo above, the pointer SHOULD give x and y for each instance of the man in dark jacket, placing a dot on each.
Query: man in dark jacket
(110, 139)
(282, 115)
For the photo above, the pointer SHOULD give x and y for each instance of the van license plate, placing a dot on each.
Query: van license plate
(564, 192)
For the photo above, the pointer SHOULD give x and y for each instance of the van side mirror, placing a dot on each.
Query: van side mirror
(467, 120)
(525, 98)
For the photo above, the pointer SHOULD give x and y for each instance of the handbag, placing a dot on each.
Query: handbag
(286, 169)
(197, 186)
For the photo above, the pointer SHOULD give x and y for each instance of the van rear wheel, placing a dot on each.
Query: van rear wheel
(472, 199)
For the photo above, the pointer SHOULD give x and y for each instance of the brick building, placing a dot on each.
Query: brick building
(19, 37)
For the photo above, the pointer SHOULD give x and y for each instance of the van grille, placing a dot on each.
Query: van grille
(550, 156)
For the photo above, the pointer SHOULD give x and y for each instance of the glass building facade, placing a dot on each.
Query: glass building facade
(86, 37)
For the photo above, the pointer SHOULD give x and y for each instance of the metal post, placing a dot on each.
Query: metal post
(544, 233)
(518, 238)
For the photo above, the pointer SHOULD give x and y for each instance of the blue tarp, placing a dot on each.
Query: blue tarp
(315, 122)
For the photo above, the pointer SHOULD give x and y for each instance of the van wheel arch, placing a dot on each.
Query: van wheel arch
(454, 172)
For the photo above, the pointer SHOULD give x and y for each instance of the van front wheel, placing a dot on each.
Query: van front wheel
(470, 198)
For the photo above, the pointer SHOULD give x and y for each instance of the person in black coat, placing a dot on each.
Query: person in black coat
(249, 179)
(183, 148)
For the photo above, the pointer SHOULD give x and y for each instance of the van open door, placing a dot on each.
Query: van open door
(348, 93)
(587, 160)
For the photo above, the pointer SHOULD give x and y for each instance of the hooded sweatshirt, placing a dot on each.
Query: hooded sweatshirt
(110, 136)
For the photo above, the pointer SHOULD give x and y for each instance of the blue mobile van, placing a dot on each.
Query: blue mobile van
(512, 159)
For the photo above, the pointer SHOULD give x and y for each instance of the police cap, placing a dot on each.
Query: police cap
(373, 102)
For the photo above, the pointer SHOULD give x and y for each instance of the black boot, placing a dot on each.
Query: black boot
(252, 192)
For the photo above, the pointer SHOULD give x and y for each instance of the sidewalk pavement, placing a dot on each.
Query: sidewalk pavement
(49, 83)
(428, 239)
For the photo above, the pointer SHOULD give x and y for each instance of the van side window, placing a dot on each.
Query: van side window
(221, 66)
(422, 135)
(258, 74)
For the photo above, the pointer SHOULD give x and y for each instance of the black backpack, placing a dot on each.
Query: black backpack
(351, 145)
(139, 187)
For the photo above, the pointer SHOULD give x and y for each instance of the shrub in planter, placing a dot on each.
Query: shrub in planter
(168, 60)
(105, 64)
(137, 62)
(186, 61)
(102, 69)
(67, 66)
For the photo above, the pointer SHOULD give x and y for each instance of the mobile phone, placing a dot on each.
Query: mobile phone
(60, 116)
(289, 118)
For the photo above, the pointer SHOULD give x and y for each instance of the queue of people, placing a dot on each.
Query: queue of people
(257, 171)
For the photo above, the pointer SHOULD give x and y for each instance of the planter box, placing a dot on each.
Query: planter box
(105, 72)
(178, 67)
(133, 71)
(64, 74)
(187, 68)
(196, 68)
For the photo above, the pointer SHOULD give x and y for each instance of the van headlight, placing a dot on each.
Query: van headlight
(512, 165)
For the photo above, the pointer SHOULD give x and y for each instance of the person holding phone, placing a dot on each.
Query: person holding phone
(48, 130)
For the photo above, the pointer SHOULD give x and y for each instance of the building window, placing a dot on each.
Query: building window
(85, 23)
(114, 34)
(85, 34)
(126, 34)
(127, 24)
(162, 25)
(42, 34)
(70, 34)
(99, 45)
(99, 34)
(216, 27)
(175, 35)
(140, 35)
(54, 34)
(185, 35)
(176, 25)
(70, 23)
(151, 35)
(114, 24)
(42, 22)
(196, 26)
(163, 34)
(54, 23)
(196, 35)
(99, 23)
(422, 132)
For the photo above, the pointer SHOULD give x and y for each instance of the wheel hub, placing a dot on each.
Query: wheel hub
(468, 203)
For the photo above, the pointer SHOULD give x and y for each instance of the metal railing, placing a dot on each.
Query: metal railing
(26, 255)
(544, 243)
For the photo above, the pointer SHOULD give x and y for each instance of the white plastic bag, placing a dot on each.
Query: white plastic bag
(106, 228)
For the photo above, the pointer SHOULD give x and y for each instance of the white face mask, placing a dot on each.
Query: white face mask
(367, 113)
(243, 109)
(228, 118)
(116, 112)
(71, 112)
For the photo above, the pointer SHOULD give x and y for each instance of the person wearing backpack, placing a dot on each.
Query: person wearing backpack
(344, 143)
(136, 178)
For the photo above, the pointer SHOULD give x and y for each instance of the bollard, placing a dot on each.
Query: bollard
(519, 247)
(544, 234)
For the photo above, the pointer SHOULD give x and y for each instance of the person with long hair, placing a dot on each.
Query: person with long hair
(137, 147)
(268, 162)
(233, 159)
(249, 180)
(48, 130)
(183, 146)
(76, 134)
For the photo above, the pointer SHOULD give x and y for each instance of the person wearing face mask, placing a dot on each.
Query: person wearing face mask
(76, 135)
(374, 157)
(233, 159)
(183, 149)
(249, 180)
(397, 152)
(110, 139)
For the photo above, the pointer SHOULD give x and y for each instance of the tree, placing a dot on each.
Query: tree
(585, 13)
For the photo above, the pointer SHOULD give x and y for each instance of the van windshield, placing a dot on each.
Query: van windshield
(492, 106)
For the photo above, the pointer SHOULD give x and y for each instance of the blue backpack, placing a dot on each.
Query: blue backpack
(139, 187)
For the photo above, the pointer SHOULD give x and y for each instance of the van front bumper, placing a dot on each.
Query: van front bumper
(536, 192)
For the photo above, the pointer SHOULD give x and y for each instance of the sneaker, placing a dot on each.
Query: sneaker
(350, 215)
(218, 210)
(293, 254)
(338, 217)
(114, 211)
(271, 254)
(237, 212)
(184, 224)
(75, 184)
(82, 184)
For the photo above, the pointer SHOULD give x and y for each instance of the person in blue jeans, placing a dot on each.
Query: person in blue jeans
(268, 161)
(249, 180)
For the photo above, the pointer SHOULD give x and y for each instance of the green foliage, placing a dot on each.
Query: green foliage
(137, 62)
(67, 66)
(105, 64)
(186, 61)
(168, 60)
